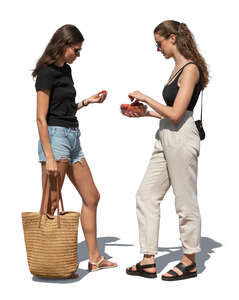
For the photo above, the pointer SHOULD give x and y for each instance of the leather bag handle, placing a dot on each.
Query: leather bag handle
(45, 200)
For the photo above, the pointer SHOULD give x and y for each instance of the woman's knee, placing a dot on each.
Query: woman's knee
(97, 197)
(92, 199)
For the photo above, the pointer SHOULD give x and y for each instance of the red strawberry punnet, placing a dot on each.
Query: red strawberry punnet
(135, 106)
(124, 106)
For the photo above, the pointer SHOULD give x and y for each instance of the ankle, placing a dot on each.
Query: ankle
(94, 257)
(188, 259)
(149, 258)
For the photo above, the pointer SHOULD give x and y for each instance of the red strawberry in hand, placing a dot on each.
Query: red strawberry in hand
(102, 93)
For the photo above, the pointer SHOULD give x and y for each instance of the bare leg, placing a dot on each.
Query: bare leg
(81, 177)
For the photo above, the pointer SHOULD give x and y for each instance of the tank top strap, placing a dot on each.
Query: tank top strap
(179, 71)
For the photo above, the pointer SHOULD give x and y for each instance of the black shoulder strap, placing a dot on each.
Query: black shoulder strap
(171, 79)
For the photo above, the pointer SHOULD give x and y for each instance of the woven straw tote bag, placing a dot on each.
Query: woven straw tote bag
(51, 241)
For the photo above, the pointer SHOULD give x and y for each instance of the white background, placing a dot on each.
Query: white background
(119, 55)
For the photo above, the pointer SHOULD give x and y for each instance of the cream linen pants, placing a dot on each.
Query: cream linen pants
(174, 162)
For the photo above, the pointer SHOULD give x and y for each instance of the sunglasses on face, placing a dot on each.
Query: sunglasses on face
(76, 50)
(158, 44)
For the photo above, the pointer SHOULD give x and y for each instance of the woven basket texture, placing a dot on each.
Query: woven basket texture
(51, 251)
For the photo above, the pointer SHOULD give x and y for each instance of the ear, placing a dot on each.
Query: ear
(64, 49)
(173, 38)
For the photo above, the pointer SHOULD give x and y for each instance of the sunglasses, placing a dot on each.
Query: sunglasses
(76, 50)
(158, 44)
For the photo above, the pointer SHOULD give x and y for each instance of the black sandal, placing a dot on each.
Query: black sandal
(185, 270)
(140, 271)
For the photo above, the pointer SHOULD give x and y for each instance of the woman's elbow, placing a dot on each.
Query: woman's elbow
(176, 119)
(40, 121)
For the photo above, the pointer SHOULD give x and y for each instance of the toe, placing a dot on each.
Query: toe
(170, 275)
(133, 268)
(107, 263)
(167, 275)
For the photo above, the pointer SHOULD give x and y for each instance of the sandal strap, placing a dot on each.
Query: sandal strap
(172, 272)
(139, 266)
(185, 269)
(99, 262)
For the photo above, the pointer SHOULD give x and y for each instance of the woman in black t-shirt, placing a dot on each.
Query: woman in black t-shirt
(59, 146)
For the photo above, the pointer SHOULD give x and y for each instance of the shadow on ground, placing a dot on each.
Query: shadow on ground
(173, 254)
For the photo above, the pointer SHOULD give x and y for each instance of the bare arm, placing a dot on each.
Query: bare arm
(153, 114)
(42, 109)
(190, 77)
(80, 104)
(96, 98)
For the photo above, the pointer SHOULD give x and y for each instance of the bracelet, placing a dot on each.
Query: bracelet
(83, 103)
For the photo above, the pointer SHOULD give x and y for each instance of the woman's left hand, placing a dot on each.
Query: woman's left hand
(138, 96)
(97, 98)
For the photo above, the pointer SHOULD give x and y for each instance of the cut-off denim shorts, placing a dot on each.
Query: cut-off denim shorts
(65, 144)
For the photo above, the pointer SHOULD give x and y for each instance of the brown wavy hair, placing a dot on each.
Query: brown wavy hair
(185, 44)
(64, 36)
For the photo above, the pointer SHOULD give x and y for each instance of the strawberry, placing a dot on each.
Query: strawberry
(102, 92)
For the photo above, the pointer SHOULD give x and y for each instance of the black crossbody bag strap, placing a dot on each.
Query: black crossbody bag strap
(199, 122)
(201, 104)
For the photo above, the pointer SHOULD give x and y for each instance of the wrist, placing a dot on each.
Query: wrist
(50, 156)
(85, 102)
(147, 99)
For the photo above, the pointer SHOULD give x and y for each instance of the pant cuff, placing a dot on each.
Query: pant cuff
(191, 251)
(148, 251)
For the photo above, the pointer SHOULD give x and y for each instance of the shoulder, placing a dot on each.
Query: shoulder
(192, 69)
(45, 70)
(191, 73)
(45, 78)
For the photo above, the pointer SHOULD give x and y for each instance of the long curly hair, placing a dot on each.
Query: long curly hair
(64, 36)
(185, 43)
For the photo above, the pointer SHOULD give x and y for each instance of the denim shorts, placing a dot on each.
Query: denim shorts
(65, 143)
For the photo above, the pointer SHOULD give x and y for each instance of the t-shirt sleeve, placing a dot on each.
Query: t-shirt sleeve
(45, 79)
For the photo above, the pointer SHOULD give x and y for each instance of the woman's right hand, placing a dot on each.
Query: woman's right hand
(51, 167)
(97, 98)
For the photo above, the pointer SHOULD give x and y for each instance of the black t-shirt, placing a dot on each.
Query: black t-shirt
(62, 106)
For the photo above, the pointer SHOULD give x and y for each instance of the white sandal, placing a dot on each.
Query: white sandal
(91, 264)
